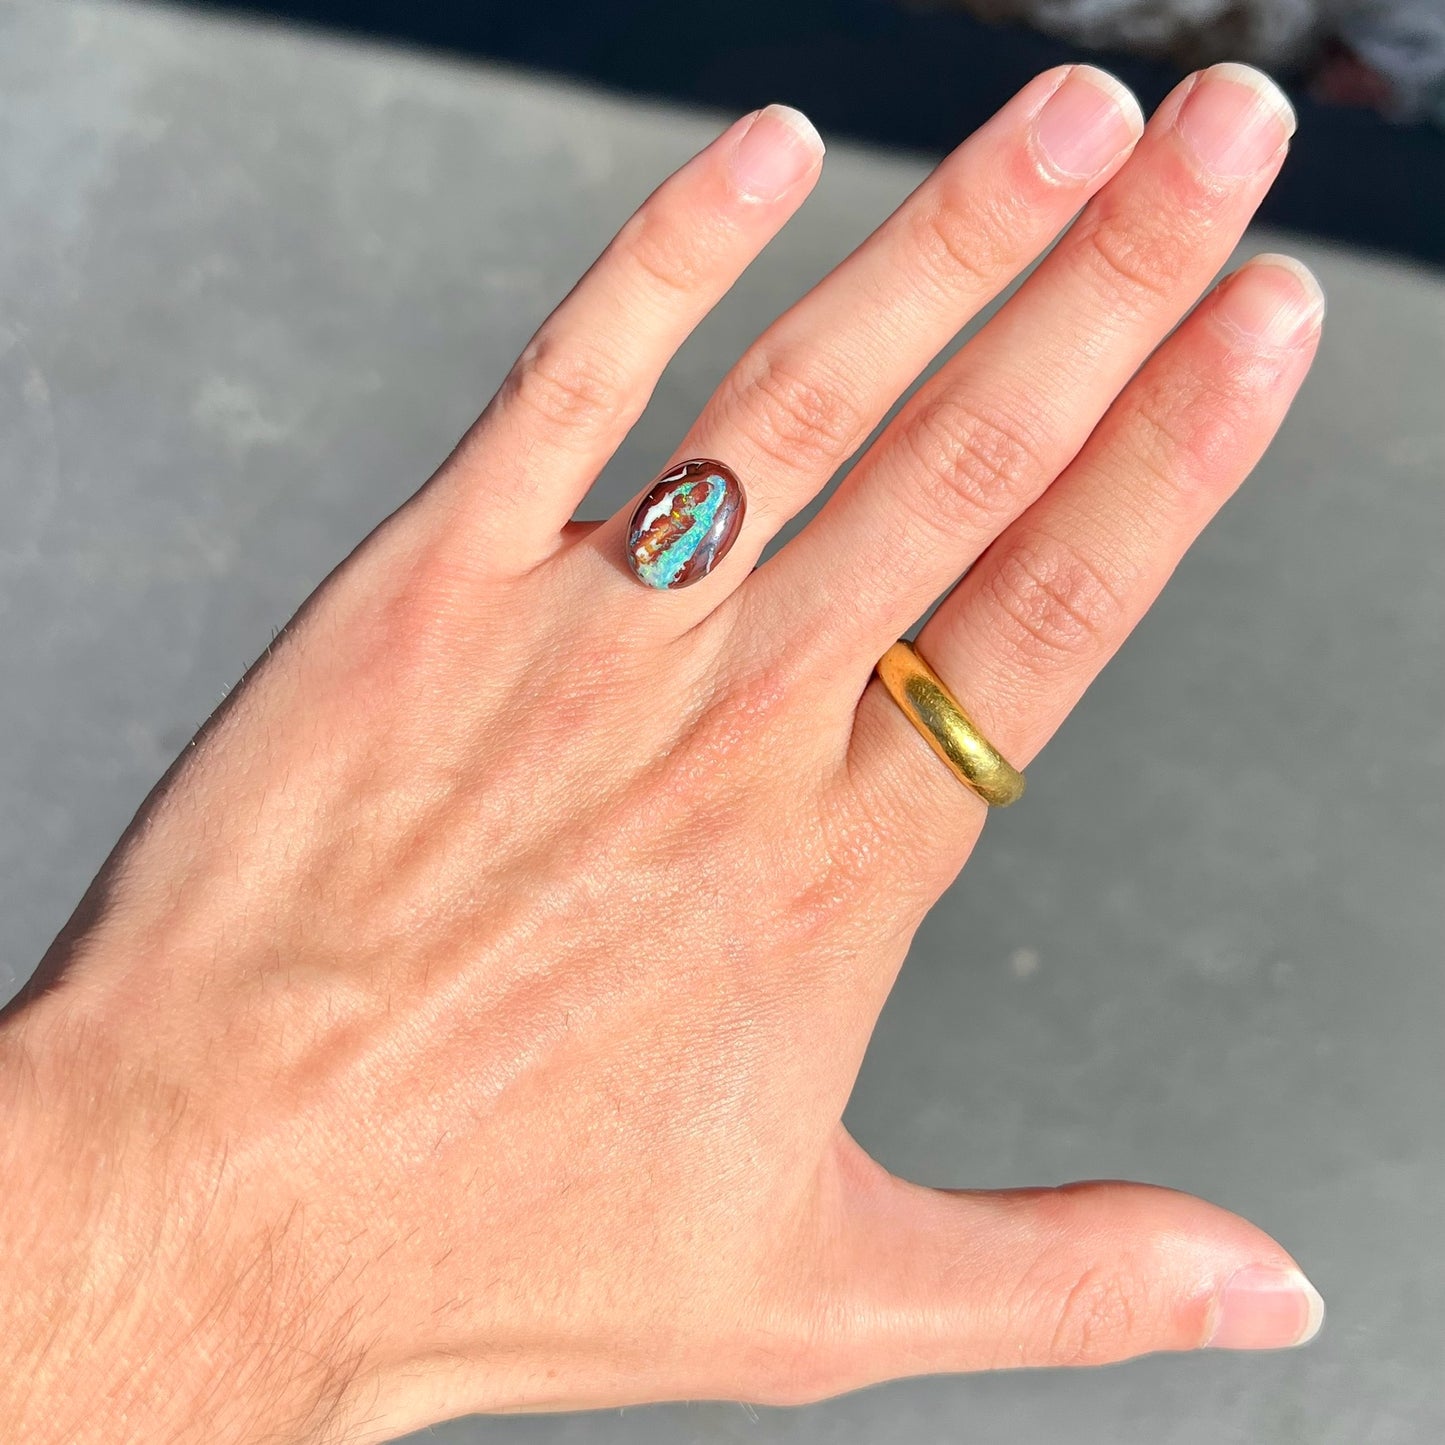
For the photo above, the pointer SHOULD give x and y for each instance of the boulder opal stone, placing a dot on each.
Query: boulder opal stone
(684, 526)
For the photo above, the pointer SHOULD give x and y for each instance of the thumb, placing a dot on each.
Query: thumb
(930, 1280)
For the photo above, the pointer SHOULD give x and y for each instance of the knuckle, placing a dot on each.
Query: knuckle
(1096, 1318)
(963, 242)
(1169, 454)
(1159, 439)
(1188, 436)
(676, 261)
(801, 419)
(1137, 265)
(1052, 604)
(975, 468)
(411, 619)
(571, 390)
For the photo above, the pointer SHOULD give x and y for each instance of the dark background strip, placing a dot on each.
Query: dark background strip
(877, 71)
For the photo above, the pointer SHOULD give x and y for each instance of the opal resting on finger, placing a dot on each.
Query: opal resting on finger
(685, 524)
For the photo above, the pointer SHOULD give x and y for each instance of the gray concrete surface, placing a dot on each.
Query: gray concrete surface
(252, 285)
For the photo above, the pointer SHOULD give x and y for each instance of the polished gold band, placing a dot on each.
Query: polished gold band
(947, 729)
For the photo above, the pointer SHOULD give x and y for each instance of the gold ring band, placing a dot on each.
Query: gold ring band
(946, 728)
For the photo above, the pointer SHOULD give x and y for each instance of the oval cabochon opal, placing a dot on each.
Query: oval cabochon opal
(684, 526)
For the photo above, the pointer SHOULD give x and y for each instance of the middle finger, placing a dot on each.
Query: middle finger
(985, 436)
(808, 392)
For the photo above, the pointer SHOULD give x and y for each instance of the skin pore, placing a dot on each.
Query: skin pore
(466, 1021)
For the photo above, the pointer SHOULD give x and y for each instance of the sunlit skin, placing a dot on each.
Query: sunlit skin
(466, 1022)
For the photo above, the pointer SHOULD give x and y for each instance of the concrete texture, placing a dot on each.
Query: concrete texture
(253, 284)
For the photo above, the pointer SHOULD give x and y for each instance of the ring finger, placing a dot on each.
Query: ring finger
(1023, 634)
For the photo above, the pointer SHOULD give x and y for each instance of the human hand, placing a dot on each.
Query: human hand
(467, 1020)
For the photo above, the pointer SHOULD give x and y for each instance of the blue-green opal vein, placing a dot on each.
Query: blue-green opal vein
(663, 569)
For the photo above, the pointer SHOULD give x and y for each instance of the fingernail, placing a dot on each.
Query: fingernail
(1089, 121)
(1234, 120)
(1272, 300)
(1265, 1308)
(774, 153)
